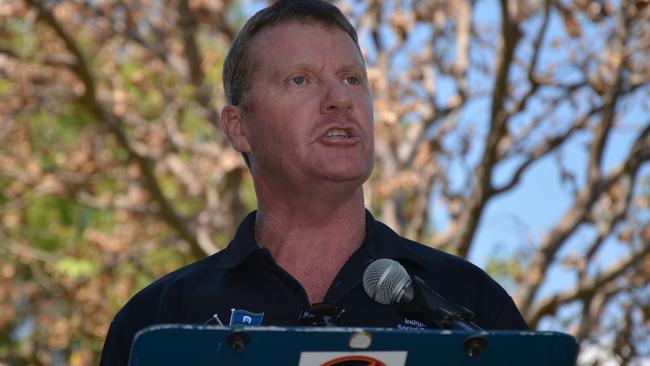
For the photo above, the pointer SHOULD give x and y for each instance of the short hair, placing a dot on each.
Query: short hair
(238, 65)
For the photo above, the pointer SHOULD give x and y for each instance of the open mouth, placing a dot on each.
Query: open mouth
(337, 133)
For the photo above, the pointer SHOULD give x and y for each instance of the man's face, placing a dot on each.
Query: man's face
(310, 116)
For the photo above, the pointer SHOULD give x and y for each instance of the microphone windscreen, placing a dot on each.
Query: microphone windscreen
(384, 280)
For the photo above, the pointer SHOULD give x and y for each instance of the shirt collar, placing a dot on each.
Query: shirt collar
(242, 245)
(383, 242)
(380, 242)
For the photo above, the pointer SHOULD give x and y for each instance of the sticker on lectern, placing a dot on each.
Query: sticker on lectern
(392, 358)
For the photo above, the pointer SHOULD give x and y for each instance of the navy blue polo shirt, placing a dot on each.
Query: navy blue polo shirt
(245, 276)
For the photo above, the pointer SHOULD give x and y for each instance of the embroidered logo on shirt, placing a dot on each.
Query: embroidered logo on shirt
(245, 317)
(411, 324)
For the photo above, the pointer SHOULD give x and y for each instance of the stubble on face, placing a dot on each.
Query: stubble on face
(309, 81)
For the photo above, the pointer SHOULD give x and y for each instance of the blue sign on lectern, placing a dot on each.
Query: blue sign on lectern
(164, 345)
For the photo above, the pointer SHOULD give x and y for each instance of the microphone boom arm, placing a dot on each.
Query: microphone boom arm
(421, 299)
(387, 282)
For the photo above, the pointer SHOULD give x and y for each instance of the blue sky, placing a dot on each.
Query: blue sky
(520, 217)
(517, 220)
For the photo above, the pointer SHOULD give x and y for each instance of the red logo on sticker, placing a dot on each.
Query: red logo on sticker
(354, 361)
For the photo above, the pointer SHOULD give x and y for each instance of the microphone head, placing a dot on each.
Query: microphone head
(385, 281)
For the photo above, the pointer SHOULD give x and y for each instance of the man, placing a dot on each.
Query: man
(300, 110)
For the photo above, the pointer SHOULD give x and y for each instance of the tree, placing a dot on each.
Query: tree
(550, 75)
(110, 147)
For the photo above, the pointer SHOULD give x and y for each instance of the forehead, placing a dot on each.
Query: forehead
(302, 42)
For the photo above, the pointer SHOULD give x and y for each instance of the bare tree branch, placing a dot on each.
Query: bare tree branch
(584, 290)
(421, 200)
(610, 101)
(534, 58)
(619, 211)
(544, 148)
(594, 306)
(463, 30)
(639, 153)
(482, 189)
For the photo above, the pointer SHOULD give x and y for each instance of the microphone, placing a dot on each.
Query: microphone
(387, 282)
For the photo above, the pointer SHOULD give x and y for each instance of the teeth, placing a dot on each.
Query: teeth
(335, 132)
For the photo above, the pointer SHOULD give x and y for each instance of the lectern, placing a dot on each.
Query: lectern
(164, 345)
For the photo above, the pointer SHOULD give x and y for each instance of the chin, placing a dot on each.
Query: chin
(358, 176)
(344, 169)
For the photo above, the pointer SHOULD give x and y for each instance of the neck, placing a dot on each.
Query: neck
(311, 238)
(303, 225)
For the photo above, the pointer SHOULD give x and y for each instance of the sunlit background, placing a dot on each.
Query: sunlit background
(512, 133)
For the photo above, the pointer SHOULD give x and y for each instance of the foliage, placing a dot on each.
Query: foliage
(112, 172)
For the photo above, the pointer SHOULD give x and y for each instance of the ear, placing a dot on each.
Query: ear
(233, 125)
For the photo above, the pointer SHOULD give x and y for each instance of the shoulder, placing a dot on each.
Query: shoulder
(194, 273)
(157, 303)
(438, 262)
(456, 279)
(464, 283)
(392, 244)
(160, 301)
(186, 295)
(456, 275)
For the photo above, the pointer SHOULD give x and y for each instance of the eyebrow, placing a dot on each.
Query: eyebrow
(280, 72)
(356, 67)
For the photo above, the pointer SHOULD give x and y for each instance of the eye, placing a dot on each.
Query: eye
(297, 80)
(352, 80)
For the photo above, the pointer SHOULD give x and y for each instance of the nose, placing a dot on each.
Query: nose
(337, 98)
